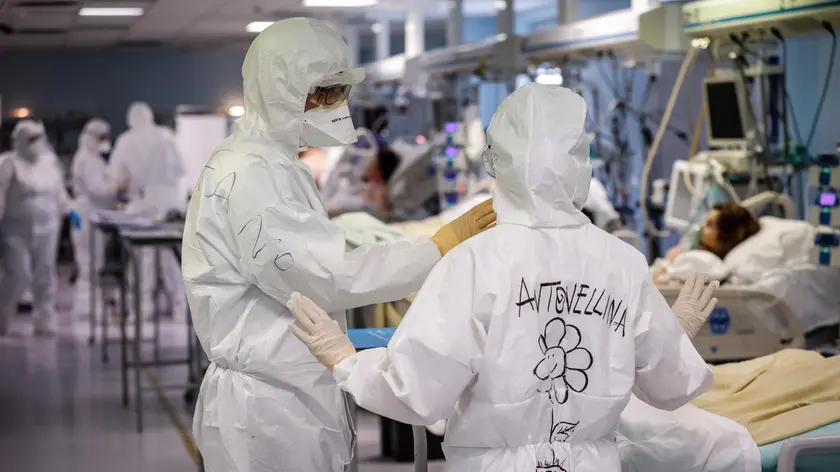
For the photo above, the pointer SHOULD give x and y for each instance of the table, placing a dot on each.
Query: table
(133, 236)
(167, 236)
(105, 227)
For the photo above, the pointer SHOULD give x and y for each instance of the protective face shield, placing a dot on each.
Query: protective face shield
(329, 123)
(489, 161)
(692, 239)
(580, 154)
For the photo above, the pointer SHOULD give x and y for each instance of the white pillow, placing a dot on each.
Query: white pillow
(779, 243)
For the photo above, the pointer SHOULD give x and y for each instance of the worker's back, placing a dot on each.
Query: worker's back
(541, 327)
(559, 353)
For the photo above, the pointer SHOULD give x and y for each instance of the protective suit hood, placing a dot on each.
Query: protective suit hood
(140, 115)
(22, 133)
(89, 139)
(281, 65)
(540, 157)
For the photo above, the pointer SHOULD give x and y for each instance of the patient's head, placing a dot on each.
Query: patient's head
(727, 226)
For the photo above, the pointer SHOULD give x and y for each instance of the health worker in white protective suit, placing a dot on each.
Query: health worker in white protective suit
(599, 209)
(146, 164)
(87, 173)
(530, 336)
(256, 232)
(33, 203)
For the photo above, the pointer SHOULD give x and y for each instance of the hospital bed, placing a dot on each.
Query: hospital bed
(773, 298)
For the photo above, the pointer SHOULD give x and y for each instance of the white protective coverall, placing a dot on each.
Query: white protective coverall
(87, 173)
(146, 161)
(530, 336)
(256, 232)
(33, 202)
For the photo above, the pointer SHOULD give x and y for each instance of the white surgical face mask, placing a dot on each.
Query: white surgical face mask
(325, 127)
(104, 147)
(31, 152)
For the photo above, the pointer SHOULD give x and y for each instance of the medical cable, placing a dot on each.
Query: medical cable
(828, 73)
(785, 106)
(604, 76)
(741, 63)
(695, 139)
(663, 125)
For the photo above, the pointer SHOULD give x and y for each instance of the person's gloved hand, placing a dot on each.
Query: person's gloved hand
(75, 219)
(321, 334)
(478, 219)
(695, 303)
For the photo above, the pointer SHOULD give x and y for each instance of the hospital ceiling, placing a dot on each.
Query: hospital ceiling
(51, 24)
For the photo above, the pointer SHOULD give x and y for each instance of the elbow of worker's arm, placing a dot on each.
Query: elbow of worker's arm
(402, 390)
(678, 378)
(669, 370)
(377, 273)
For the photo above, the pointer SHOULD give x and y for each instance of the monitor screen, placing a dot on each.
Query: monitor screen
(828, 199)
(724, 113)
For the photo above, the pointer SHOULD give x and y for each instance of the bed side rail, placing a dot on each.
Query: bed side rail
(792, 447)
(733, 332)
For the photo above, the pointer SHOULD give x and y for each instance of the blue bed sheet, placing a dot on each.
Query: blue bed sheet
(808, 462)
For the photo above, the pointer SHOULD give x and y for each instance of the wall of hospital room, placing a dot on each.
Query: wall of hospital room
(806, 72)
(104, 83)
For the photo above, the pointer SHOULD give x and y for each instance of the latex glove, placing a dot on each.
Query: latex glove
(75, 219)
(695, 303)
(321, 334)
(478, 219)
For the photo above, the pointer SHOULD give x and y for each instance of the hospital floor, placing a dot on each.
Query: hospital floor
(60, 407)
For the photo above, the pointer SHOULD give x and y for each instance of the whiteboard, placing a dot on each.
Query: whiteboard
(196, 137)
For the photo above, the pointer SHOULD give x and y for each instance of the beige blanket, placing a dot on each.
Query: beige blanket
(777, 396)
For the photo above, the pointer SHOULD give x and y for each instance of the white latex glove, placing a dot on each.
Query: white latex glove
(695, 303)
(321, 334)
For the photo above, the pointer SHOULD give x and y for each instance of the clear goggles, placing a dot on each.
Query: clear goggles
(329, 96)
(488, 158)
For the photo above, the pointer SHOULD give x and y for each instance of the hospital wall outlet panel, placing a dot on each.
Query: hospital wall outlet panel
(824, 212)
(824, 216)
(824, 176)
(825, 256)
(452, 166)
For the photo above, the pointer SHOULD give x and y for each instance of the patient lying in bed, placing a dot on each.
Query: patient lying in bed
(726, 226)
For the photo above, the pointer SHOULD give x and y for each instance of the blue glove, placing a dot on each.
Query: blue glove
(75, 219)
